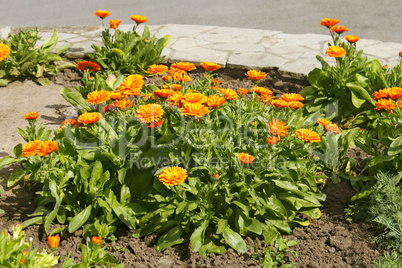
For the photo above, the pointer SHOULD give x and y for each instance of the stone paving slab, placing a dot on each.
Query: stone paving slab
(292, 54)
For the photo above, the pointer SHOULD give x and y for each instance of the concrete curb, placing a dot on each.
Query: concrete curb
(293, 55)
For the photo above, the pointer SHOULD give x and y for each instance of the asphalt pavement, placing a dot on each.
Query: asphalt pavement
(369, 19)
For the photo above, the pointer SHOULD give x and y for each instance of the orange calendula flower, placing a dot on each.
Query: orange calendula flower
(279, 103)
(324, 122)
(194, 98)
(229, 94)
(157, 69)
(215, 101)
(4, 51)
(242, 91)
(23, 254)
(123, 104)
(327, 22)
(172, 176)
(156, 124)
(381, 94)
(216, 176)
(117, 95)
(54, 241)
(31, 116)
(295, 104)
(181, 78)
(245, 158)
(89, 118)
(215, 83)
(138, 18)
(266, 98)
(387, 104)
(262, 91)
(395, 93)
(278, 128)
(96, 97)
(47, 147)
(102, 13)
(149, 113)
(89, 66)
(255, 75)
(68, 122)
(307, 135)
(131, 85)
(114, 24)
(176, 87)
(338, 29)
(96, 240)
(335, 51)
(175, 99)
(400, 53)
(289, 97)
(109, 108)
(31, 148)
(272, 140)
(334, 128)
(163, 93)
(195, 109)
(210, 66)
(184, 66)
(352, 38)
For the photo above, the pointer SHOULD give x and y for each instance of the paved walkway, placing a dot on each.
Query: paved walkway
(293, 54)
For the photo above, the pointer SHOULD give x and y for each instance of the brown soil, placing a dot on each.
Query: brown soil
(327, 242)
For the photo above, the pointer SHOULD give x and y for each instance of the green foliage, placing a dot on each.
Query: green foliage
(105, 175)
(381, 205)
(1, 192)
(389, 260)
(276, 255)
(26, 61)
(128, 52)
(14, 251)
(348, 86)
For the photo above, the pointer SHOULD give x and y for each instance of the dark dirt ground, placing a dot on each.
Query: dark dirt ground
(327, 242)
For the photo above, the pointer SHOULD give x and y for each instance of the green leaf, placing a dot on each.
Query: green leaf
(234, 240)
(359, 94)
(49, 219)
(75, 99)
(171, 238)
(36, 220)
(394, 148)
(16, 177)
(52, 57)
(63, 49)
(198, 236)
(79, 219)
(7, 160)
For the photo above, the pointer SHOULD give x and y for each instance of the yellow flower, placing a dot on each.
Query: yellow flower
(123, 104)
(96, 97)
(255, 75)
(31, 116)
(289, 97)
(184, 66)
(194, 98)
(387, 104)
(163, 93)
(4, 51)
(324, 122)
(149, 113)
(157, 69)
(210, 66)
(89, 118)
(54, 241)
(68, 122)
(195, 109)
(334, 128)
(336, 51)
(138, 18)
(278, 128)
(114, 24)
(245, 158)
(242, 91)
(327, 22)
(172, 176)
(307, 135)
(131, 85)
(96, 240)
(215, 101)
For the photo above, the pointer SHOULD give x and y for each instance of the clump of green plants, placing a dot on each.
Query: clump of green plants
(276, 255)
(21, 59)
(380, 204)
(127, 52)
(344, 90)
(389, 260)
(190, 161)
